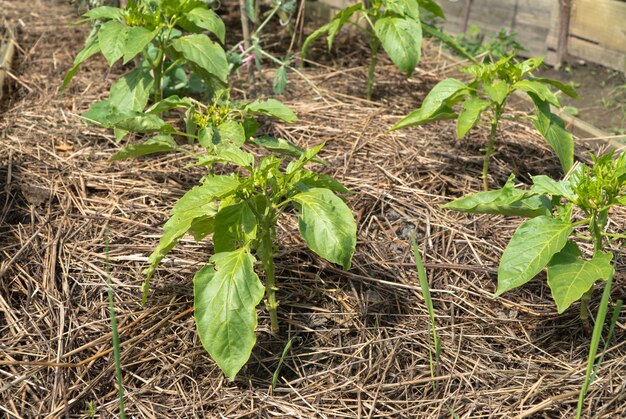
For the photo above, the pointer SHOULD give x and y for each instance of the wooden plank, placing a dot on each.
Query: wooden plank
(597, 53)
(600, 21)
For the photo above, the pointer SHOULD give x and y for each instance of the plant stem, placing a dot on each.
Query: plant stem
(266, 254)
(490, 147)
(374, 45)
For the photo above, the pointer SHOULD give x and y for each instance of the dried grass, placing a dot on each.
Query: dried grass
(361, 345)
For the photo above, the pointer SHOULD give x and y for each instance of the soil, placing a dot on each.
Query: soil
(361, 344)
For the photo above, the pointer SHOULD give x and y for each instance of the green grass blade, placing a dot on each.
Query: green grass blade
(280, 362)
(114, 331)
(432, 329)
(595, 343)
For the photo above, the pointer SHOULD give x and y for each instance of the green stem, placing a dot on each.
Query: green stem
(371, 71)
(267, 260)
(490, 148)
(157, 70)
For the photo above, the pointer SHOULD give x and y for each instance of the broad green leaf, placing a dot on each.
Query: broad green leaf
(92, 47)
(108, 116)
(169, 103)
(506, 201)
(131, 92)
(225, 300)
(409, 8)
(273, 108)
(402, 40)
(417, 118)
(497, 91)
(197, 203)
(539, 89)
(472, 108)
(545, 185)
(232, 131)
(206, 57)
(207, 19)
(532, 246)
(530, 64)
(158, 144)
(305, 179)
(279, 83)
(332, 28)
(552, 129)
(566, 88)
(235, 226)
(569, 276)
(278, 145)
(105, 12)
(327, 225)
(432, 7)
(137, 39)
(112, 38)
(434, 102)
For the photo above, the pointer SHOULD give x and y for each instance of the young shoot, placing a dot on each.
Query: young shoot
(488, 93)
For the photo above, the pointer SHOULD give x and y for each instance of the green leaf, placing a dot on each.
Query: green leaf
(539, 89)
(232, 131)
(545, 185)
(235, 226)
(92, 47)
(332, 27)
(417, 118)
(306, 179)
(169, 103)
(112, 38)
(530, 64)
(508, 201)
(402, 40)
(566, 88)
(552, 129)
(436, 102)
(432, 7)
(103, 113)
(278, 145)
(105, 12)
(137, 39)
(273, 108)
(408, 8)
(308, 155)
(530, 249)
(197, 204)
(497, 91)
(206, 57)
(225, 300)
(279, 83)
(132, 91)
(327, 225)
(472, 108)
(569, 276)
(207, 19)
(158, 144)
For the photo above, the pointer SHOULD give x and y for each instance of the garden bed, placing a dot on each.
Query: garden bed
(360, 338)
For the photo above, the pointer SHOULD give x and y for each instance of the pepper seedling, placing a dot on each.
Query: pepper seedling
(488, 92)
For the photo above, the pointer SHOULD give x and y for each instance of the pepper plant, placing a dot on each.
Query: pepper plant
(169, 38)
(396, 25)
(488, 92)
(561, 214)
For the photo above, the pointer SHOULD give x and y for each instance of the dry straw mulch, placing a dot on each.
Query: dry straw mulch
(360, 338)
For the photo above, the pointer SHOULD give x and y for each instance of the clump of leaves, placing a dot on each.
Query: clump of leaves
(561, 213)
(487, 93)
(396, 25)
(494, 47)
(169, 37)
